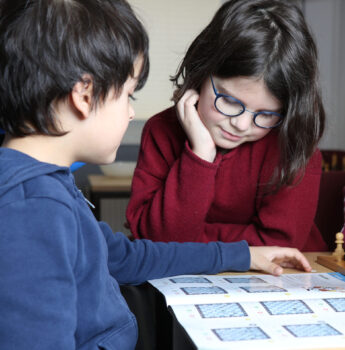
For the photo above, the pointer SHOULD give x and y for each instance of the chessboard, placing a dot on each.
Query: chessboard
(332, 263)
(335, 261)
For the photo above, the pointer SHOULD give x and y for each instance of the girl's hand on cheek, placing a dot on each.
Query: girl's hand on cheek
(199, 137)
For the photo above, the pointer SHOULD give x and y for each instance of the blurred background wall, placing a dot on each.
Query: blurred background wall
(172, 25)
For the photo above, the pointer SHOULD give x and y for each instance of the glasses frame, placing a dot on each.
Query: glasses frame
(255, 114)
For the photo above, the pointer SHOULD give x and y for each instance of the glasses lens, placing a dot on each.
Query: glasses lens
(267, 120)
(229, 106)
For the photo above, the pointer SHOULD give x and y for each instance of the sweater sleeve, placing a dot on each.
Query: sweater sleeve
(133, 262)
(170, 190)
(285, 218)
(37, 289)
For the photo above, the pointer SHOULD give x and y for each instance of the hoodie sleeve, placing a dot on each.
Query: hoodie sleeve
(37, 289)
(133, 262)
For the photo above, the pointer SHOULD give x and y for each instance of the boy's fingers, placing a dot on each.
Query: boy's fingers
(297, 259)
(276, 269)
(273, 259)
(270, 267)
(305, 263)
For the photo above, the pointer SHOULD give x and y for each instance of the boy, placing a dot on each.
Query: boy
(68, 70)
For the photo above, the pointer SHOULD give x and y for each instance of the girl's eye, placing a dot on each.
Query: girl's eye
(267, 115)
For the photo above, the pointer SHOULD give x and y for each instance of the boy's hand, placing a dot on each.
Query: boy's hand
(273, 259)
(199, 137)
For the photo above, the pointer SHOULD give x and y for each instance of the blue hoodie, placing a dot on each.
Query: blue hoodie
(60, 269)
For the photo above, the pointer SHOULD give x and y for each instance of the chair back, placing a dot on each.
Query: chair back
(330, 211)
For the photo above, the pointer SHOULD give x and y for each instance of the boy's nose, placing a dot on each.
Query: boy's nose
(243, 121)
(131, 113)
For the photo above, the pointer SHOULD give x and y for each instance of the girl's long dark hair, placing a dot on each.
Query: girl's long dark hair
(268, 39)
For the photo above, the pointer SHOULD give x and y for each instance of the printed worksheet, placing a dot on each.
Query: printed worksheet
(226, 288)
(292, 311)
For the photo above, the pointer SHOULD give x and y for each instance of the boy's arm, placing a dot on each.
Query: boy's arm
(133, 262)
(37, 289)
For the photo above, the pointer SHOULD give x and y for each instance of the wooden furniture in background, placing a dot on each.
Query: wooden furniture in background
(107, 187)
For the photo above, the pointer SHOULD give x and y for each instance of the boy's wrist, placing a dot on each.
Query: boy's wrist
(236, 256)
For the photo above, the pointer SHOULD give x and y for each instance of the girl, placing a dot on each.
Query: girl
(236, 157)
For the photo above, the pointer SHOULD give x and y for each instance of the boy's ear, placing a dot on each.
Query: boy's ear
(81, 97)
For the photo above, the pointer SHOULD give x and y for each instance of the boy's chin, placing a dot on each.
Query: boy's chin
(100, 159)
(109, 160)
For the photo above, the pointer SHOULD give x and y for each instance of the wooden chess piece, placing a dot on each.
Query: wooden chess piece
(339, 250)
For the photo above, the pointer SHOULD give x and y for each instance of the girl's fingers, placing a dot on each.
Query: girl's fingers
(200, 139)
(187, 101)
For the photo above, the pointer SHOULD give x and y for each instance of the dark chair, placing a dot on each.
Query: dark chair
(333, 160)
(330, 211)
(154, 321)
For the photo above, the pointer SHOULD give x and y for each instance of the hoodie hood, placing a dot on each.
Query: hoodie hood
(17, 167)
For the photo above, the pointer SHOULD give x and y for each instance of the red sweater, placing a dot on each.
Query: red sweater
(176, 196)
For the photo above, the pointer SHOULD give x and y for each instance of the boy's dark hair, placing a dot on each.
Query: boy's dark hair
(47, 46)
(268, 39)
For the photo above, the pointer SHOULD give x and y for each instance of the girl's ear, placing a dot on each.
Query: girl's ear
(81, 97)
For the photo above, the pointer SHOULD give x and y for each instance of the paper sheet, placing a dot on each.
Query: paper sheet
(293, 311)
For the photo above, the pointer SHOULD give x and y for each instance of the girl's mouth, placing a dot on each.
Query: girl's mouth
(227, 135)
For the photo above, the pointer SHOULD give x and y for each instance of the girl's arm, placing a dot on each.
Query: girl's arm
(172, 187)
(285, 218)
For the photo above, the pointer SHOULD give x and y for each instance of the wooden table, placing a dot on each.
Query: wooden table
(107, 187)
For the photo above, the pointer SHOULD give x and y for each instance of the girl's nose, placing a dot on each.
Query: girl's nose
(243, 121)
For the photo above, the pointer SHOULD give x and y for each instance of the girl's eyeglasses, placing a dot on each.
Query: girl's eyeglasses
(232, 107)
